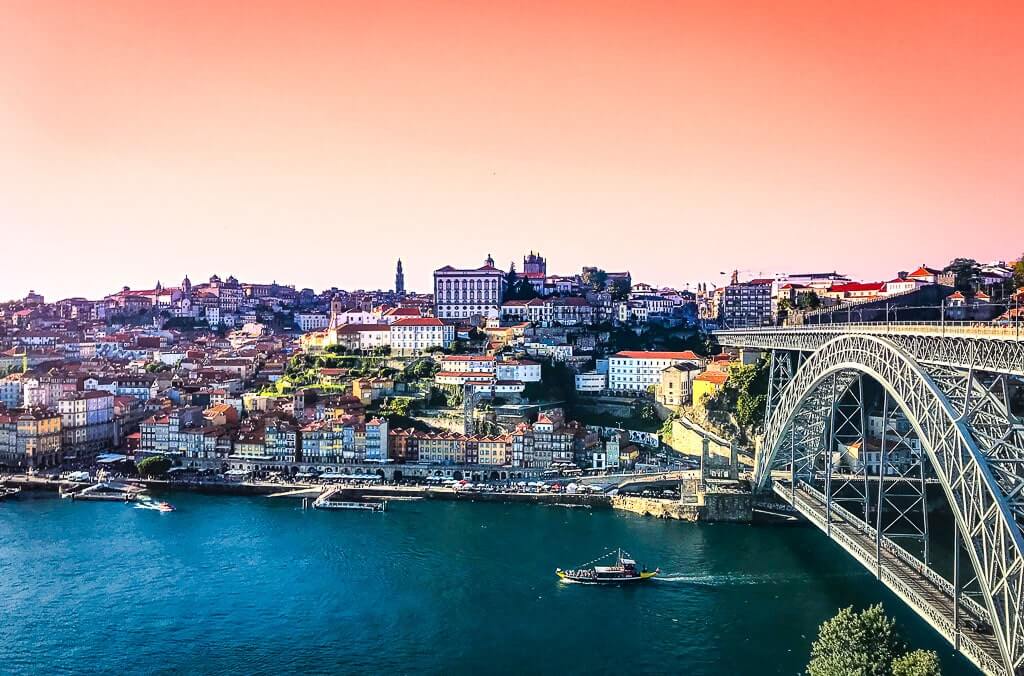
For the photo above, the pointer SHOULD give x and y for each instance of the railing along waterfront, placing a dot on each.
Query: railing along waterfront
(810, 502)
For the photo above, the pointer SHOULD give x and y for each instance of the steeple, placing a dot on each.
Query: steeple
(489, 261)
(399, 279)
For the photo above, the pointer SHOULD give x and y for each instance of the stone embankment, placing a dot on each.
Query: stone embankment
(727, 507)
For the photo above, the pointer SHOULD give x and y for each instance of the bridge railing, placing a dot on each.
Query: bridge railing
(1012, 331)
(812, 500)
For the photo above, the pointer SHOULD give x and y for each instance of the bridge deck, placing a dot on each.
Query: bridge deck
(930, 595)
(981, 330)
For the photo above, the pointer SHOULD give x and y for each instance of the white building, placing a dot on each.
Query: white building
(467, 363)
(522, 370)
(412, 336)
(372, 336)
(466, 293)
(591, 382)
(312, 321)
(633, 371)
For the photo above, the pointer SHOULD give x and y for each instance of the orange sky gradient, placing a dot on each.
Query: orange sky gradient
(316, 142)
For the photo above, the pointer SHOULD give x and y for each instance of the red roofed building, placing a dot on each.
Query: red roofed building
(636, 371)
(856, 290)
(925, 274)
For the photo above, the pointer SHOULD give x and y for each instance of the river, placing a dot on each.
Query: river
(234, 585)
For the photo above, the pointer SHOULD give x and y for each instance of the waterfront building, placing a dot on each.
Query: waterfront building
(462, 293)
(87, 424)
(37, 440)
(633, 371)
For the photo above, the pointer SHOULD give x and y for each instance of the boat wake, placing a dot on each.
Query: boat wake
(146, 504)
(730, 579)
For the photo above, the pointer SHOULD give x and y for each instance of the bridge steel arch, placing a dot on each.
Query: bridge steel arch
(983, 495)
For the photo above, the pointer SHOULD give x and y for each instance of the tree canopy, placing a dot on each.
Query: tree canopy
(154, 465)
(1018, 273)
(866, 644)
(917, 663)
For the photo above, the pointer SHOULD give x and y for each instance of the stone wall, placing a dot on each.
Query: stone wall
(730, 507)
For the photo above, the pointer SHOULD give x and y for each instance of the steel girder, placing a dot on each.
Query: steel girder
(974, 445)
(994, 355)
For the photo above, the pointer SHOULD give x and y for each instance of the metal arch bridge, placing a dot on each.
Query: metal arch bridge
(946, 416)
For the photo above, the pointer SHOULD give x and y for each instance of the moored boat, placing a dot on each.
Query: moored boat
(6, 492)
(624, 570)
(349, 504)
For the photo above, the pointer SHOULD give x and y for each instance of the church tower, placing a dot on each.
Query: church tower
(336, 310)
(399, 279)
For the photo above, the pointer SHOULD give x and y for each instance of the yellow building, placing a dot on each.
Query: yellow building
(39, 439)
(707, 385)
(493, 451)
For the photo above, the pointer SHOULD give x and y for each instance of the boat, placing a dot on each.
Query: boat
(623, 571)
(165, 507)
(381, 506)
(6, 492)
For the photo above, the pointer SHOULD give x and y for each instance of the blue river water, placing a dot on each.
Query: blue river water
(259, 586)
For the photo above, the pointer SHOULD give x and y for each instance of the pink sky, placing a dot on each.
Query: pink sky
(316, 142)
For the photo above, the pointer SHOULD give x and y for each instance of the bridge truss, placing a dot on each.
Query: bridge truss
(947, 419)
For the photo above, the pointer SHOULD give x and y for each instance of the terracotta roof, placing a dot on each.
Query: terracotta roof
(923, 271)
(716, 377)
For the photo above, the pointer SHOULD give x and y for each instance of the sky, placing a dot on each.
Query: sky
(317, 142)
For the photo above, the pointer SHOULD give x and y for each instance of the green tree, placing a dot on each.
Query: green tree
(154, 465)
(421, 369)
(855, 644)
(965, 272)
(917, 663)
(399, 406)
